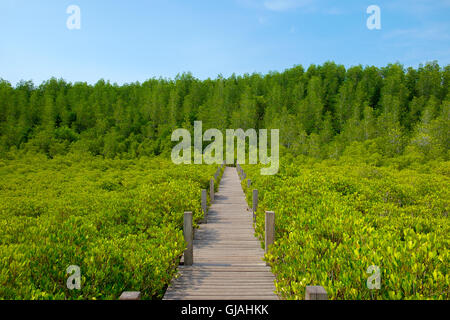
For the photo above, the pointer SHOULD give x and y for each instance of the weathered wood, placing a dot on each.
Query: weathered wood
(130, 295)
(211, 189)
(315, 293)
(236, 296)
(189, 238)
(255, 204)
(205, 213)
(219, 268)
(249, 183)
(269, 230)
(228, 258)
(220, 281)
(216, 175)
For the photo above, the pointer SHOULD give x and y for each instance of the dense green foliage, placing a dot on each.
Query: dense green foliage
(364, 179)
(120, 221)
(334, 220)
(318, 111)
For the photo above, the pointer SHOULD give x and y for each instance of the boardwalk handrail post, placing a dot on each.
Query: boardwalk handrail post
(270, 230)
(189, 238)
(255, 204)
(211, 189)
(130, 295)
(249, 183)
(315, 293)
(205, 217)
(216, 175)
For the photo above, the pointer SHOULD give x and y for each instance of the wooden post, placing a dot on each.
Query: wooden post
(130, 295)
(205, 217)
(270, 230)
(211, 189)
(249, 183)
(315, 293)
(255, 204)
(189, 238)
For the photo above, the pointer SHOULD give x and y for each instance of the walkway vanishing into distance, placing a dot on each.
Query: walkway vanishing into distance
(228, 259)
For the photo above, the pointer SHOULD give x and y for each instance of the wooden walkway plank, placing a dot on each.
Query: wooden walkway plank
(228, 259)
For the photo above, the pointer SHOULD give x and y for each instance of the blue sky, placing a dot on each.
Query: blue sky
(127, 41)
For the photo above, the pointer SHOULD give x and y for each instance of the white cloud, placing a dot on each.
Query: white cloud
(307, 6)
(334, 11)
(418, 8)
(435, 32)
(283, 5)
(262, 20)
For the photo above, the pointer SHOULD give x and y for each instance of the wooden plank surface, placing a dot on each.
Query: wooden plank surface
(228, 259)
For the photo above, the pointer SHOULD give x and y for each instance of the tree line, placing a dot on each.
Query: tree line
(321, 111)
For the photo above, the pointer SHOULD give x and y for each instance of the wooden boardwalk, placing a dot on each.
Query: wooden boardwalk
(228, 261)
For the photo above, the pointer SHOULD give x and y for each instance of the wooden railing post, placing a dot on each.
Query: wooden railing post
(255, 204)
(239, 170)
(205, 217)
(130, 295)
(189, 238)
(216, 175)
(315, 293)
(211, 189)
(270, 230)
(249, 183)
